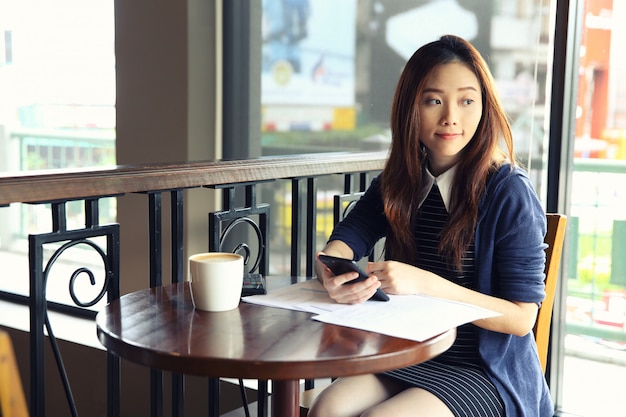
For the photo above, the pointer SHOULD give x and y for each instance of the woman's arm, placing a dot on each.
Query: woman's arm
(516, 318)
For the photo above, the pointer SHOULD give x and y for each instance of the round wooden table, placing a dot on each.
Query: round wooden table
(160, 328)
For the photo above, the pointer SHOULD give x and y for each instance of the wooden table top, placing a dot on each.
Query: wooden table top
(160, 328)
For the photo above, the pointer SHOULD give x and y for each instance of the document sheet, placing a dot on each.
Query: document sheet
(414, 317)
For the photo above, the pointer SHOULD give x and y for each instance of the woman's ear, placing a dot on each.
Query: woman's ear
(423, 151)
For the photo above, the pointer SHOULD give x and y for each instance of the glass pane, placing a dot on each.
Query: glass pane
(57, 76)
(596, 304)
(330, 90)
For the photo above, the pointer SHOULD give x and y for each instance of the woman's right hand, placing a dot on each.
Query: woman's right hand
(334, 284)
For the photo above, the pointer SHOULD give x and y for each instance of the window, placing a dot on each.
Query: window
(330, 90)
(58, 84)
(595, 307)
(57, 106)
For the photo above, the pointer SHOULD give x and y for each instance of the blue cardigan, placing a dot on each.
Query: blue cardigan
(509, 263)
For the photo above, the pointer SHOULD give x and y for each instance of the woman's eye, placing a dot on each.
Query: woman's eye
(468, 101)
(433, 101)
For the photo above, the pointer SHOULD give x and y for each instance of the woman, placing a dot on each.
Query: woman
(461, 222)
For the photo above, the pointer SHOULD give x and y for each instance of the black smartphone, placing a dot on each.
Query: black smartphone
(340, 266)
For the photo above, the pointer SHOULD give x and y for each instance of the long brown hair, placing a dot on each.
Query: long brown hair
(402, 176)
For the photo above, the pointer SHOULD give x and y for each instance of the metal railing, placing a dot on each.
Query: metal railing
(595, 259)
(239, 182)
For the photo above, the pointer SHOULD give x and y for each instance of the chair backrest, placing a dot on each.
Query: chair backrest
(554, 238)
(12, 400)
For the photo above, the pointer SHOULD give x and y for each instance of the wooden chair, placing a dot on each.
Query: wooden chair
(554, 238)
(12, 400)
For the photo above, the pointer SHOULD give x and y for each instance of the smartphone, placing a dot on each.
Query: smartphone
(340, 266)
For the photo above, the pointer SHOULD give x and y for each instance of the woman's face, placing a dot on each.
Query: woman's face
(450, 110)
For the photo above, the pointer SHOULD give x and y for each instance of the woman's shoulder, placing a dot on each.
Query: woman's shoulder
(508, 175)
(510, 183)
(511, 199)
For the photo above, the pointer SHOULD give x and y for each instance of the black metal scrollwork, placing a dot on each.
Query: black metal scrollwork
(80, 271)
(244, 246)
(223, 224)
(77, 273)
(39, 305)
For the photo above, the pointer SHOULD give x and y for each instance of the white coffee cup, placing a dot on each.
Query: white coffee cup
(216, 280)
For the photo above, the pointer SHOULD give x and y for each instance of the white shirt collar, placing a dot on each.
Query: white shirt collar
(444, 182)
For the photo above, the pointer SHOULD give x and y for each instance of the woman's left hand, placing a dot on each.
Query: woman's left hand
(400, 278)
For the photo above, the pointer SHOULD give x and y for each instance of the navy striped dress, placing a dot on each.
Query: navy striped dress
(456, 377)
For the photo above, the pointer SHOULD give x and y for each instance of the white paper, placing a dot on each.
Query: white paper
(414, 317)
(309, 296)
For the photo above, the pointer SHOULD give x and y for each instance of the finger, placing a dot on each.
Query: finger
(347, 277)
(355, 298)
(373, 267)
(354, 293)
